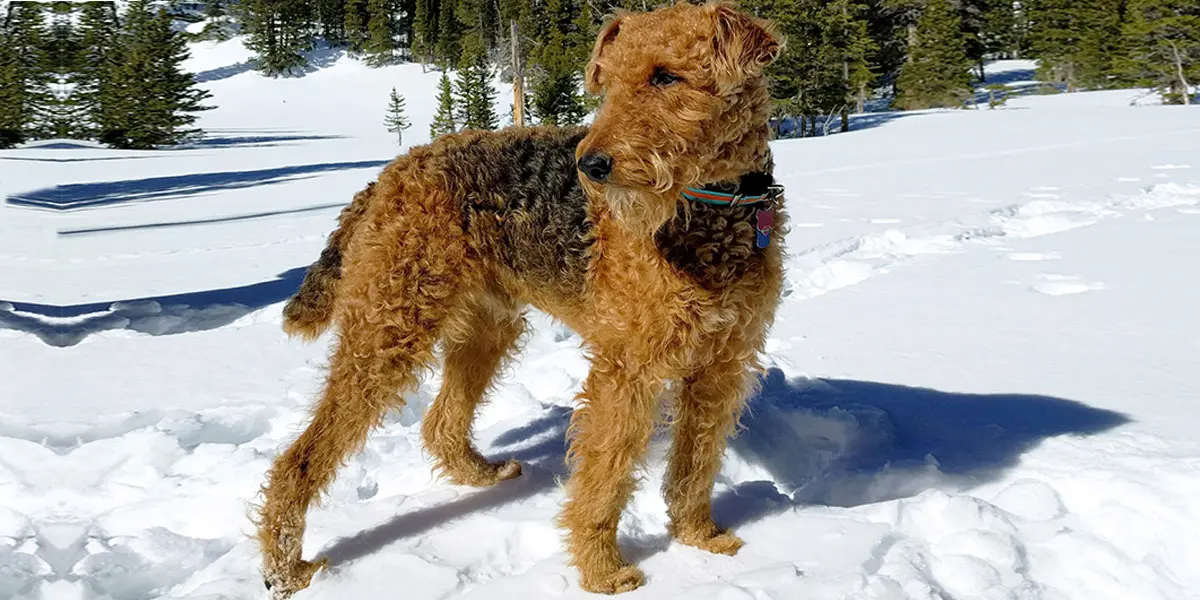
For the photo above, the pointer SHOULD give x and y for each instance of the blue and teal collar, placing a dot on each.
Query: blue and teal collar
(753, 188)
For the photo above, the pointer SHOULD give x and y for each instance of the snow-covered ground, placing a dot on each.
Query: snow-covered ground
(983, 377)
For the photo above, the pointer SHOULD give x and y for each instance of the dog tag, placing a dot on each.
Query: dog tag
(765, 221)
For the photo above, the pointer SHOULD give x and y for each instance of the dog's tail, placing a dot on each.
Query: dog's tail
(309, 313)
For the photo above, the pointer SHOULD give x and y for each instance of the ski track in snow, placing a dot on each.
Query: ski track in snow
(817, 271)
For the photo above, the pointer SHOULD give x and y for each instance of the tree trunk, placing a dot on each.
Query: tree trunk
(1183, 82)
(845, 118)
(518, 79)
(861, 104)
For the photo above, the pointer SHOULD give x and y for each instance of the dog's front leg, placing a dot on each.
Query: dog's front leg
(609, 435)
(708, 407)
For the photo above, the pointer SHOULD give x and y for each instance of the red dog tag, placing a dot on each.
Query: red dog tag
(766, 220)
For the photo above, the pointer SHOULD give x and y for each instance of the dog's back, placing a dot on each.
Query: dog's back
(521, 202)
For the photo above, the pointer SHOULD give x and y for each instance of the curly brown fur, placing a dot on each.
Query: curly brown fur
(457, 237)
(309, 312)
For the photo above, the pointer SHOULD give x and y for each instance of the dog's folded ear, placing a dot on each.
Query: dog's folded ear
(744, 44)
(608, 33)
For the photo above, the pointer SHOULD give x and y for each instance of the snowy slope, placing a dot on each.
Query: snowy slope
(981, 386)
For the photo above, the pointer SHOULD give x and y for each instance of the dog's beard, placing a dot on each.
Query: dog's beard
(640, 212)
(644, 207)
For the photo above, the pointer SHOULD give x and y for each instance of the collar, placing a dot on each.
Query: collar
(751, 188)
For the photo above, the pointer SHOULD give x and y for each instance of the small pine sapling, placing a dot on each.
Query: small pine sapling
(997, 95)
(396, 120)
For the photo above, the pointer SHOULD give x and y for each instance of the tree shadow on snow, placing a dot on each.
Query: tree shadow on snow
(63, 326)
(107, 193)
(256, 139)
(828, 442)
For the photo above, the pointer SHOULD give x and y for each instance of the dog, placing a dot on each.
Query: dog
(654, 234)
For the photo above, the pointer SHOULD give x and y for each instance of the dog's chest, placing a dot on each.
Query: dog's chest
(716, 246)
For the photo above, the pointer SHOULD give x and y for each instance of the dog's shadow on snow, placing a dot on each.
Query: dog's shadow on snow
(803, 442)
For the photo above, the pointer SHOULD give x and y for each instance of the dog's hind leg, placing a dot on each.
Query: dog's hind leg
(398, 293)
(706, 413)
(478, 336)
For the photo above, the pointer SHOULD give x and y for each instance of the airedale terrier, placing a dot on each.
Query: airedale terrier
(647, 233)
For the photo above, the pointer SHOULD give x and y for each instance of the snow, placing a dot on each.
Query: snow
(981, 380)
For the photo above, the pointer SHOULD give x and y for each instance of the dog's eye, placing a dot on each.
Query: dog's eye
(663, 78)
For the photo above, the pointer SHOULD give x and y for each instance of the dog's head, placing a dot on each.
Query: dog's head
(685, 103)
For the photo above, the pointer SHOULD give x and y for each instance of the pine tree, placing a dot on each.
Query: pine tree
(848, 46)
(381, 44)
(147, 99)
(888, 24)
(27, 75)
(12, 92)
(425, 30)
(65, 57)
(1000, 35)
(279, 33)
(972, 15)
(1163, 47)
(476, 96)
(444, 119)
(556, 63)
(97, 33)
(396, 120)
(938, 71)
(404, 12)
(1075, 42)
(332, 15)
(478, 18)
(449, 49)
(219, 26)
(356, 25)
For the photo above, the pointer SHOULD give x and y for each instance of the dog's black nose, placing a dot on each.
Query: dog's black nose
(597, 166)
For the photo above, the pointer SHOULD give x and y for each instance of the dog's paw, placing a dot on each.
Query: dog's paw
(720, 542)
(508, 470)
(624, 579)
(282, 584)
(482, 474)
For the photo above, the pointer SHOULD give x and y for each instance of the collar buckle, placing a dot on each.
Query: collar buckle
(774, 192)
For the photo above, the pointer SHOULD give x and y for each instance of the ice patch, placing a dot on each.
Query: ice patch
(1064, 285)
